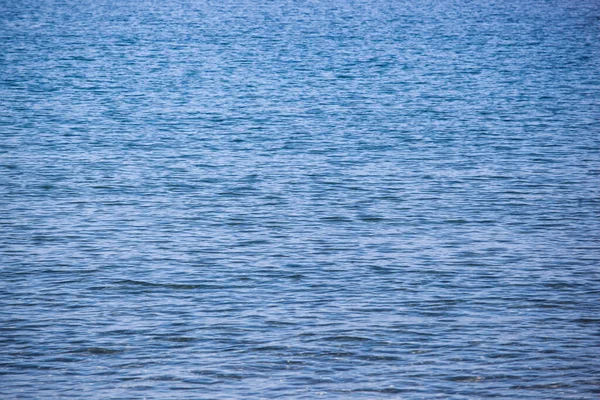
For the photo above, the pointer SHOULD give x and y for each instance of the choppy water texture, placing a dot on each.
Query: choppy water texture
(300, 199)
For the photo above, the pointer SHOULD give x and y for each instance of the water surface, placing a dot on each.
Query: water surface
(299, 199)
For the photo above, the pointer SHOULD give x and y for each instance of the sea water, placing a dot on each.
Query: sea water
(345, 199)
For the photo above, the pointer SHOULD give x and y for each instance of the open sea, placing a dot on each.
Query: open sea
(300, 199)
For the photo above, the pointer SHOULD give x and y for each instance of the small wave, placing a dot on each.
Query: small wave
(178, 286)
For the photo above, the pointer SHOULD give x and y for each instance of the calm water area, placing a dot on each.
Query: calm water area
(299, 199)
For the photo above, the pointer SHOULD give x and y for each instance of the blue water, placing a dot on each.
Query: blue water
(346, 199)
